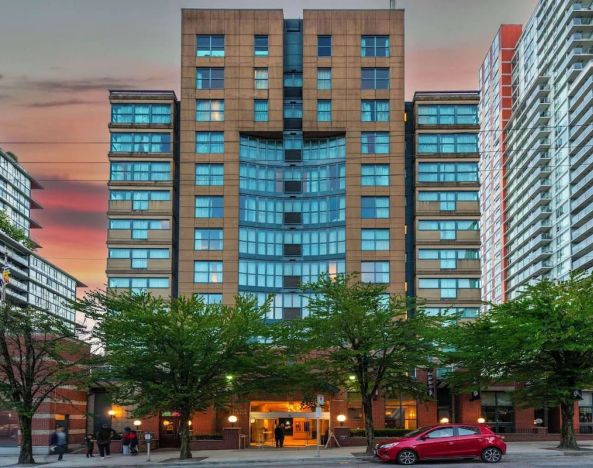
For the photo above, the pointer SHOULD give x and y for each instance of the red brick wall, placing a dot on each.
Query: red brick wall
(523, 419)
(469, 411)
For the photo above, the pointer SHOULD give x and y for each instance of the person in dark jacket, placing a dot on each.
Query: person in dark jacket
(104, 440)
(279, 435)
(89, 441)
(133, 443)
(125, 441)
(58, 441)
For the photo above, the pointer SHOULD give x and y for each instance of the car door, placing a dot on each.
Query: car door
(438, 443)
(468, 441)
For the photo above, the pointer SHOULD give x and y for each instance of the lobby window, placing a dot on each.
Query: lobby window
(210, 298)
(209, 78)
(210, 174)
(324, 46)
(374, 111)
(438, 114)
(293, 109)
(208, 239)
(324, 110)
(260, 76)
(374, 207)
(210, 110)
(374, 272)
(374, 239)
(448, 172)
(374, 142)
(374, 46)
(374, 175)
(210, 142)
(435, 143)
(210, 46)
(141, 113)
(260, 46)
(374, 78)
(140, 142)
(208, 272)
(260, 110)
(210, 207)
(324, 78)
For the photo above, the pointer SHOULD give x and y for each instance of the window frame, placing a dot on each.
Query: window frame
(212, 50)
(325, 48)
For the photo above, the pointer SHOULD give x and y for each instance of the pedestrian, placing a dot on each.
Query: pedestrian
(125, 441)
(90, 445)
(279, 435)
(133, 443)
(104, 440)
(58, 442)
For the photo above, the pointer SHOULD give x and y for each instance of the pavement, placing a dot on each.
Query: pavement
(520, 455)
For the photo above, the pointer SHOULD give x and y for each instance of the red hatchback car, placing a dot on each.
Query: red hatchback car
(442, 442)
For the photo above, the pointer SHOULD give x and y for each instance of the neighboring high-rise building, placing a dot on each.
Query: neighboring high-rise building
(33, 280)
(495, 111)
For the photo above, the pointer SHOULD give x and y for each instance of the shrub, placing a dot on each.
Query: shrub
(387, 432)
(207, 437)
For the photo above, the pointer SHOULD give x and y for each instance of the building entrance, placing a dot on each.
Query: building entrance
(298, 423)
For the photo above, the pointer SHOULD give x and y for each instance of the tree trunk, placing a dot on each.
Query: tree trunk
(184, 433)
(367, 408)
(567, 436)
(26, 451)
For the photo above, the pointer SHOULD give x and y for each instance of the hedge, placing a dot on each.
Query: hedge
(387, 432)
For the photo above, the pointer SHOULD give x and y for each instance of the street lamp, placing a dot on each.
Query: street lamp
(137, 424)
(481, 420)
(232, 419)
(341, 418)
(444, 421)
(111, 413)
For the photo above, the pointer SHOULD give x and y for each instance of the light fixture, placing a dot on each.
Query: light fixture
(137, 423)
(189, 423)
(252, 421)
(111, 412)
(444, 421)
(481, 420)
(232, 419)
(341, 418)
(352, 378)
(166, 423)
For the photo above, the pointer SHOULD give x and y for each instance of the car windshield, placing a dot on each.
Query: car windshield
(416, 432)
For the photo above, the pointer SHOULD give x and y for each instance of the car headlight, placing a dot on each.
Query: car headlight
(388, 446)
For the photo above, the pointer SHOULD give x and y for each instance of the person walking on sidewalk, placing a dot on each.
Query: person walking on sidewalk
(90, 445)
(126, 440)
(133, 443)
(58, 442)
(104, 440)
(279, 435)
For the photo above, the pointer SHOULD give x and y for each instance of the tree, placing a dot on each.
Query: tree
(357, 329)
(541, 340)
(39, 353)
(177, 354)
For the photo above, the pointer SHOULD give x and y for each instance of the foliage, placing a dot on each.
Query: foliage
(541, 339)
(14, 232)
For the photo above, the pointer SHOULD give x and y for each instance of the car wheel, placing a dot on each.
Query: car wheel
(407, 457)
(491, 455)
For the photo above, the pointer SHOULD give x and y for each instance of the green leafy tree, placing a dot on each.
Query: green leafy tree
(177, 354)
(39, 353)
(357, 329)
(14, 232)
(541, 340)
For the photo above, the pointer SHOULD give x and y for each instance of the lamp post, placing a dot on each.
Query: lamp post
(232, 419)
(111, 414)
(341, 418)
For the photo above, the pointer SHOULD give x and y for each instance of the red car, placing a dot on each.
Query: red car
(444, 441)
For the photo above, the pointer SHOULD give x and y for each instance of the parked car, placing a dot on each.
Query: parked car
(444, 441)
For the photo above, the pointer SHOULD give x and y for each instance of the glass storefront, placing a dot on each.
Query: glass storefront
(498, 410)
(586, 413)
(401, 413)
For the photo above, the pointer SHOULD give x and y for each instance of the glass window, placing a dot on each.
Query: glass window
(140, 142)
(140, 199)
(374, 207)
(324, 78)
(374, 272)
(210, 46)
(210, 207)
(209, 78)
(374, 78)
(137, 285)
(260, 46)
(261, 78)
(260, 110)
(208, 239)
(141, 113)
(324, 46)
(374, 175)
(438, 114)
(467, 431)
(401, 413)
(139, 171)
(293, 109)
(210, 298)
(441, 433)
(448, 172)
(374, 46)
(293, 80)
(324, 110)
(209, 174)
(447, 143)
(374, 111)
(374, 142)
(208, 272)
(210, 142)
(320, 149)
(449, 286)
(260, 149)
(374, 239)
(210, 110)
(314, 243)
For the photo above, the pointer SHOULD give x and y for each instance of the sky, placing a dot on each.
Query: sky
(58, 58)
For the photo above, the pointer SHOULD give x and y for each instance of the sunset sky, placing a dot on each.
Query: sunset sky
(58, 58)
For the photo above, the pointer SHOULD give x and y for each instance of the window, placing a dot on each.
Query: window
(270, 274)
(438, 114)
(374, 142)
(260, 46)
(208, 272)
(210, 142)
(374, 207)
(448, 172)
(293, 109)
(374, 272)
(137, 285)
(374, 175)
(210, 110)
(434, 143)
(448, 200)
(210, 46)
(374, 46)
(139, 257)
(374, 239)
(463, 312)
(293, 80)
(140, 199)
(441, 433)
(266, 242)
(324, 46)
(260, 76)
(320, 149)
(324, 110)
(139, 227)
(374, 78)
(139, 171)
(260, 149)
(210, 298)
(209, 174)
(448, 257)
(401, 413)
(374, 111)
(448, 229)
(449, 286)
(141, 113)
(208, 239)
(260, 110)
(140, 142)
(209, 78)
(324, 78)
(467, 431)
(209, 207)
